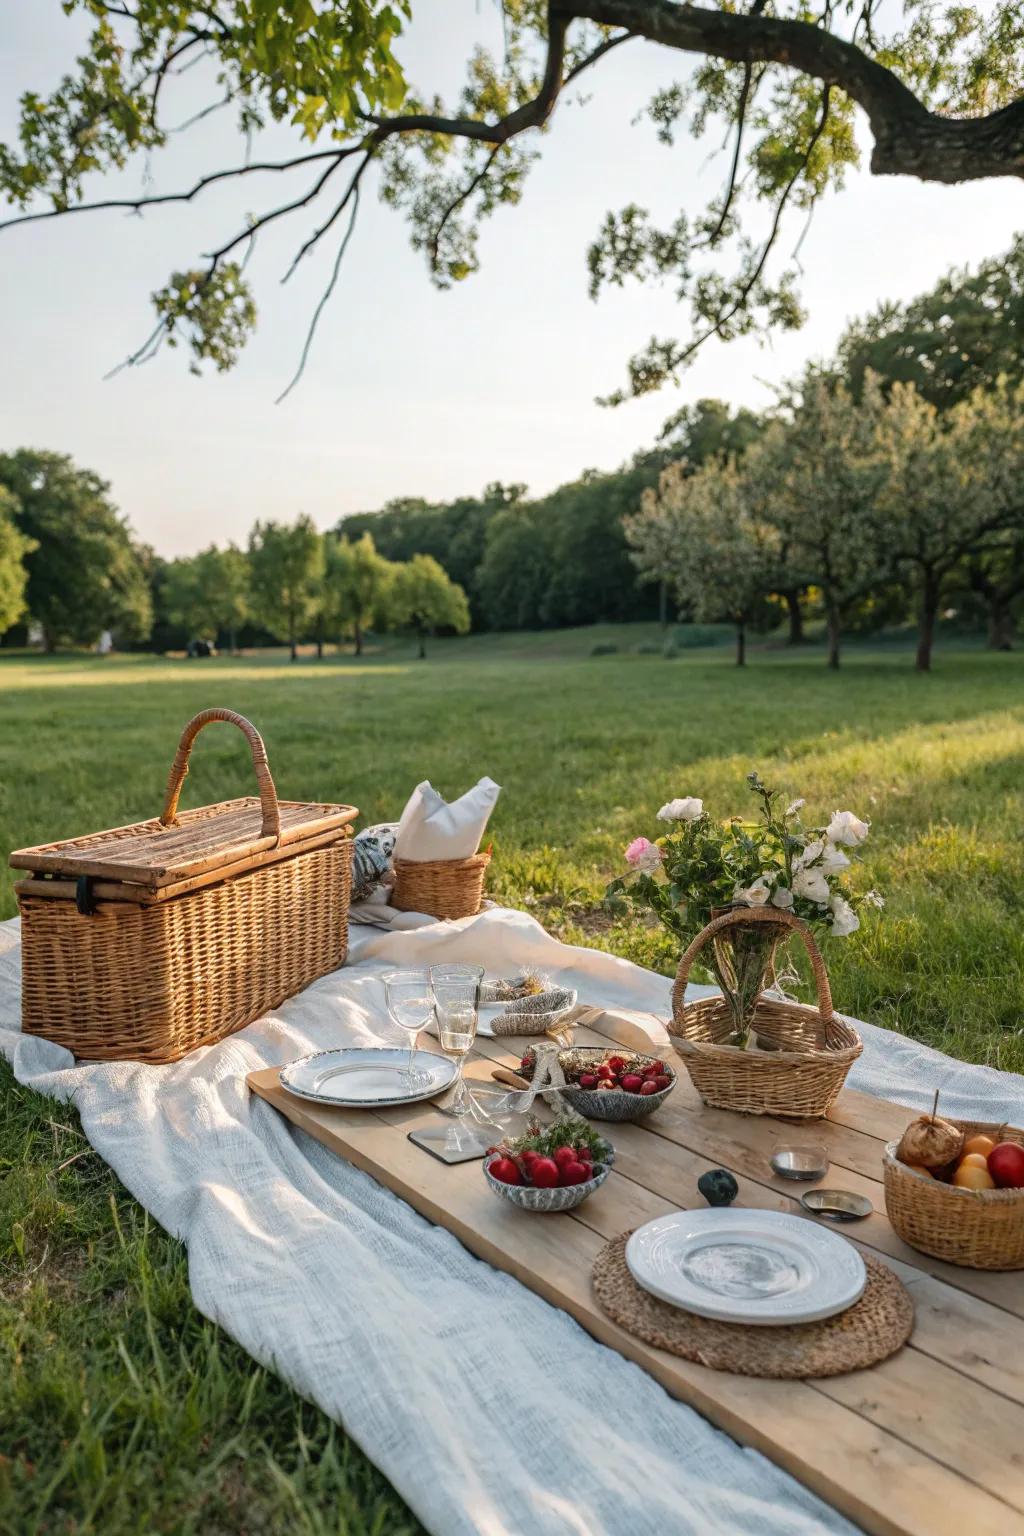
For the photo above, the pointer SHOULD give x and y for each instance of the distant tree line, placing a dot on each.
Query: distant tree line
(883, 487)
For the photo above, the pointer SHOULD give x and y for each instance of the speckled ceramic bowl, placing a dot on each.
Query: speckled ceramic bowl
(530, 1199)
(616, 1104)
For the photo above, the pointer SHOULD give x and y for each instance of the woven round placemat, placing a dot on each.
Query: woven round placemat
(875, 1327)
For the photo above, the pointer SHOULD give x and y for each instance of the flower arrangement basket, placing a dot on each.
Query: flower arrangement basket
(147, 941)
(808, 1050)
(976, 1228)
(444, 888)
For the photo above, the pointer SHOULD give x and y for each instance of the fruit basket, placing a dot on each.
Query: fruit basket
(804, 1052)
(975, 1228)
(587, 1067)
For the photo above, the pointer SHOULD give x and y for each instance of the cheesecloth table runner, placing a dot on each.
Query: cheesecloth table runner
(417, 1348)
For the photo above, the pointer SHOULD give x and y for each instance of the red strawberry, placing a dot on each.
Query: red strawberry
(656, 1069)
(587, 1080)
(616, 1063)
(544, 1173)
(505, 1170)
(605, 1071)
(563, 1155)
(632, 1083)
(650, 1086)
(575, 1173)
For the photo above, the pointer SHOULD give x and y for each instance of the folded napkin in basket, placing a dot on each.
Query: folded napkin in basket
(432, 829)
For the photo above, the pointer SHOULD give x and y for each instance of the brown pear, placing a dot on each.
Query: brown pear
(930, 1141)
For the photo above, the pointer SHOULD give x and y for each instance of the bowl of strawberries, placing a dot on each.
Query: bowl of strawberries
(549, 1169)
(610, 1085)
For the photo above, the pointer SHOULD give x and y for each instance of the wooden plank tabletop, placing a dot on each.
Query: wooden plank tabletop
(929, 1443)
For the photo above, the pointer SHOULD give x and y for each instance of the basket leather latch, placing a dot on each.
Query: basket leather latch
(85, 901)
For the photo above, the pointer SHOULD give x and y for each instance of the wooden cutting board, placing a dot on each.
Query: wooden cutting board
(929, 1443)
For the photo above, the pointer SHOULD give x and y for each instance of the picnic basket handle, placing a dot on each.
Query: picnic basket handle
(271, 826)
(740, 917)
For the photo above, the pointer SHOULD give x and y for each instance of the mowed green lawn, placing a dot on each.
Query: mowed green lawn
(120, 1409)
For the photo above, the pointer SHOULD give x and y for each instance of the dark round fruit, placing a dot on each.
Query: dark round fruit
(718, 1187)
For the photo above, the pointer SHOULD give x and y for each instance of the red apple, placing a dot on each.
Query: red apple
(544, 1173)
(1006, 1165)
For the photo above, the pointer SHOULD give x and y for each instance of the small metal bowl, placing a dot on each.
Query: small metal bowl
(804, 1163)
(836, 1204)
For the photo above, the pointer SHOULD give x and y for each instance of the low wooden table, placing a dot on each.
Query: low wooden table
(930, 1442)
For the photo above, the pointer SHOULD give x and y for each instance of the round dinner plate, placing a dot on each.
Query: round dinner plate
(366, 1077)
(740, 1266)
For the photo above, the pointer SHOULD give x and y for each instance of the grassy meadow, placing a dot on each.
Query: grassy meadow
(121, 1410)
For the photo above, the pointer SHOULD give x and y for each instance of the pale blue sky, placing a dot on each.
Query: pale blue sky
(409, 391)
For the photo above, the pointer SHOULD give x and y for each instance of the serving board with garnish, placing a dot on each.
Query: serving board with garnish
(927, 1443)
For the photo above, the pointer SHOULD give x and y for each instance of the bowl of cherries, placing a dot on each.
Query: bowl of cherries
(610, 1085)
(553, 1169)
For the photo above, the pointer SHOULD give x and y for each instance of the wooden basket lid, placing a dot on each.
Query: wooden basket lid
(173, 847)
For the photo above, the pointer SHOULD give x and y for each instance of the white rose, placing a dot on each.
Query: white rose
(811, 884)
(834, 858)
(811, 852)
(686, 809)
(797, 805)
(754, 896)
(846, 828)
(781, 897)
(844, 918)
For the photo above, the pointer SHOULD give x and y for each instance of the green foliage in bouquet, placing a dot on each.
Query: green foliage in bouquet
(700, 866)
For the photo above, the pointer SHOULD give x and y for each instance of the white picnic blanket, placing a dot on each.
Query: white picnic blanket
(490, 1411)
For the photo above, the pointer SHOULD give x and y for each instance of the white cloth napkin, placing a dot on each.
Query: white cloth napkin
(430, 828)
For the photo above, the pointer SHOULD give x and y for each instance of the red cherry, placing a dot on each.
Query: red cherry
(576, 1173)
(505, 1170)
(563, 1155)
(529, 1156)
(632, 1082)
(588, 1080)
(544, 1173)
(663, 1081)
(649, 1087)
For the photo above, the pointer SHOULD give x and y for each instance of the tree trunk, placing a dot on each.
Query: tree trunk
(357, 635)
(741, 645)
(1001, 627)
(663, 604)
(49, 640)
(796, 617)
(423, 643)
(835, 632)
(291, 640)
(233, 642)
(926, 627)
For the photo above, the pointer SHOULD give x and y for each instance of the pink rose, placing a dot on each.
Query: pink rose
(643, 854)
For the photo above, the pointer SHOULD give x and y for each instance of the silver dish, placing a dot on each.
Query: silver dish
(836, 1204)
(806, 1163)
(530, 1199)
(367, 1077)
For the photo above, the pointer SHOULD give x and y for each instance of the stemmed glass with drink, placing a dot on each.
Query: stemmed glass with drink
(456, 1002)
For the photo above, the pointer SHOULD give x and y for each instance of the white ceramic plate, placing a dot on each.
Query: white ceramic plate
(366, 1078)
(761, 1267)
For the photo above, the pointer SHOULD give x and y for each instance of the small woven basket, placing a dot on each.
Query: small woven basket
(975, 1228)
(810, 1050)
(444, 888)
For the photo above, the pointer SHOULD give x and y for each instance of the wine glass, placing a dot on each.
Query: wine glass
(456, 1001)
(410, 1003)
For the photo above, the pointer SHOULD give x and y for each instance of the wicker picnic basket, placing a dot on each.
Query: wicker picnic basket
(444, 888)
(147, 941)
(809, 1050)
(976, 1228)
